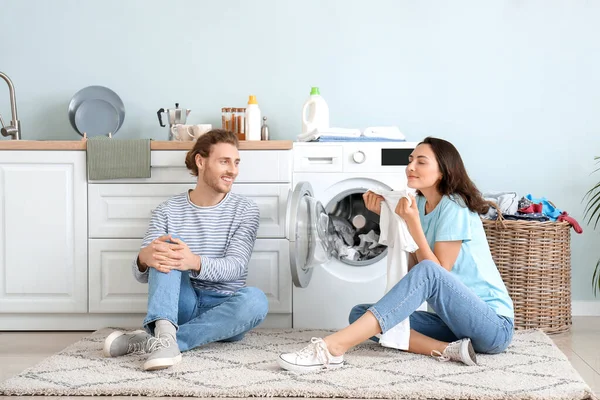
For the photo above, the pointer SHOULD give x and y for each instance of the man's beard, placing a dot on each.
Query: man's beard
(216, 183)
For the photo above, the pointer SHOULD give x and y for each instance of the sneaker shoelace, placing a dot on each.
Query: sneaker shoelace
(157, 343)
(137, 347)
(439, 356)
(451, 352)
(317, 348)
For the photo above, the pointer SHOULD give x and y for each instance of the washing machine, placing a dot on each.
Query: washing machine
(328, 180)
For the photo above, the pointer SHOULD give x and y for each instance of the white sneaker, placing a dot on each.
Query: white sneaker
(461, 351)
(313, 357)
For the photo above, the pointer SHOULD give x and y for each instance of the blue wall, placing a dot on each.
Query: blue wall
(514, 84)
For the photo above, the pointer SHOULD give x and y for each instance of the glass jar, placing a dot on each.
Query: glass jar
(226, 118)
(241, 124)
(234, 120)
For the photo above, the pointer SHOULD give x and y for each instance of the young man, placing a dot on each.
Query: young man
(195, 259)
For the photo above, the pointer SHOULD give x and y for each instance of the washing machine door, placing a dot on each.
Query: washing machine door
(309, 231)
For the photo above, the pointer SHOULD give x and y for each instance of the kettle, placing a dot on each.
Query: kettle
(175, 115)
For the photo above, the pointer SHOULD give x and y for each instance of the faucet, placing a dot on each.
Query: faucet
(14, 129)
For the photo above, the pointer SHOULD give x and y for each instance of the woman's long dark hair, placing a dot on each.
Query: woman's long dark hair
(455, 180)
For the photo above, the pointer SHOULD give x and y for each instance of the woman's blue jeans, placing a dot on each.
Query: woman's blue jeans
(459, 312)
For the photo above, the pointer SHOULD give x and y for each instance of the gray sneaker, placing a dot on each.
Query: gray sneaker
(119, 343)
(461, 351)
(164, 353)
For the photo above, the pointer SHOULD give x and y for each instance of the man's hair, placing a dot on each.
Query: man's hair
(204, 146)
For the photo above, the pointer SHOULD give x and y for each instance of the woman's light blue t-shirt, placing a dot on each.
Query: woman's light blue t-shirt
(450, 220)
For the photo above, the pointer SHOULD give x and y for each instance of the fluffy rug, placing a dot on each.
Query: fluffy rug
(532, 368)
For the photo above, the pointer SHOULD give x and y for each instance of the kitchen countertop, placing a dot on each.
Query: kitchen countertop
(154, 145)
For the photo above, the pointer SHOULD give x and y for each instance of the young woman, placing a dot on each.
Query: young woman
(452, 270)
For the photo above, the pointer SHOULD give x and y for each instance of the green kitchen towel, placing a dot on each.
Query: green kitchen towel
(115, 158)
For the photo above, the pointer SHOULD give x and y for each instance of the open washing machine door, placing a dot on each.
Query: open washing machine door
(309, 233)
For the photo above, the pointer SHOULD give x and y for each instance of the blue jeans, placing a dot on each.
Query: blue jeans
(460, 313)
(202, 316)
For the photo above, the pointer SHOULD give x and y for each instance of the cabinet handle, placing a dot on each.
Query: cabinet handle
(321, 160)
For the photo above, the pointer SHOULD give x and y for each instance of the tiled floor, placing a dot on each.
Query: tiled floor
(20, 350)
(582, 346)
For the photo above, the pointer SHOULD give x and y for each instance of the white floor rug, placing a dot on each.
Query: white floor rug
(532, 368)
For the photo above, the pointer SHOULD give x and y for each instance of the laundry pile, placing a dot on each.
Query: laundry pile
(527, 208)
(356, 230)
(350, 244)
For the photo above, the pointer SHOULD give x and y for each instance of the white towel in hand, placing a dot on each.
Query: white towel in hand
(395, 234)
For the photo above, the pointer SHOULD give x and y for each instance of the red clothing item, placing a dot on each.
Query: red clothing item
(566, 217)
(532, 209)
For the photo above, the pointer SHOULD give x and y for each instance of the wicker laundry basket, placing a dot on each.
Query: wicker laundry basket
(534, 259)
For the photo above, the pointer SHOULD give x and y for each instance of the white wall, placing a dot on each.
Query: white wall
(514, 84)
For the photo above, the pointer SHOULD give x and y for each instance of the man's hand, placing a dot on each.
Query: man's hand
(161, 255)
(188, 261)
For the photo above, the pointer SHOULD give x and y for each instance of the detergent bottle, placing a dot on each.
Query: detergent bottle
(315, 113)
(252, 119)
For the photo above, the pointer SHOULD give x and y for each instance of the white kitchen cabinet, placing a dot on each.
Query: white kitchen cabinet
(57, 274)
(124, 210)
(43, 232)
(269, 270)
(113, 289)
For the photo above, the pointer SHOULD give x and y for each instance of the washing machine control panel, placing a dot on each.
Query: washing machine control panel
(359, 157)
(352, 157)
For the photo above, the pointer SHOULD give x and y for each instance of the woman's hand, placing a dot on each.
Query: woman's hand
(410, 214)
(373, 202)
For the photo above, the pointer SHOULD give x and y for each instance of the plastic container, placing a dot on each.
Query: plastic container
(253, 119)
(315, 113)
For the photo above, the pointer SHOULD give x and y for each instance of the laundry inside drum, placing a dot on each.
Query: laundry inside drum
(355, 237)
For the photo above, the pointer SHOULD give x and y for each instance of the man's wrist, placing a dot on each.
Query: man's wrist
(142, 267)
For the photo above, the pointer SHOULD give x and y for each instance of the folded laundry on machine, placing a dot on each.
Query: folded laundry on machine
(387, 132)
(341, 133)
(382, 134)
(356, 139)
(395, 234)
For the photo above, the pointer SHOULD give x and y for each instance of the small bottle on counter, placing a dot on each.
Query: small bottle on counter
(264, 130)
(252, 119)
